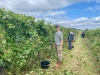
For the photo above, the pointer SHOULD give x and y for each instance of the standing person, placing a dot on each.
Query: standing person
(70, 39)
(58, 45)
(83, 34)
(72, 35)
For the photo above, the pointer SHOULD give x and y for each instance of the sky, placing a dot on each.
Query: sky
(79, 14)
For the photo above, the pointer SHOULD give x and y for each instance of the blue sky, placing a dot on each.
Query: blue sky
(80, 14)
(79, 10)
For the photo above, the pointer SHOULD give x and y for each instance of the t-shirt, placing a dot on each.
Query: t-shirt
(58, 37)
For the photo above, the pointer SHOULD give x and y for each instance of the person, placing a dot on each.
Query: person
(72, 35)
(70, 39)
(83, 34)
(58, 44)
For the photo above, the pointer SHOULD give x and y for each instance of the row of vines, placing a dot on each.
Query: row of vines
(24, 42)
(93, 38)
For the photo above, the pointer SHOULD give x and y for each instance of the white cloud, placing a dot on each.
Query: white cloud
(96, 19)
(97, 7)
(81, 19)
(94, 8)
(1, 5)
(34, 14)
(34, 5)
(82, 23)
(50, 20)
(90, 8)
(98, 1)
(55, 13)
(37, 5)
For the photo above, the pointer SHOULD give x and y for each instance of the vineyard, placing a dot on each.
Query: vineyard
(25, 42)
(93, 43)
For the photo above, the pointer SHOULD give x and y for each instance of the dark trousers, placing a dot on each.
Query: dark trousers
(83, 35)
(70, 45)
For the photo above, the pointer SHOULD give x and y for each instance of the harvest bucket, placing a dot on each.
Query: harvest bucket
(45, 64)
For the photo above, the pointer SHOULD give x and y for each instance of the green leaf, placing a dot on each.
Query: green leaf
(9, 59)
(1, 62)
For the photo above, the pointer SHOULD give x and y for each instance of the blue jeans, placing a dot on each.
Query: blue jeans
(70, 45)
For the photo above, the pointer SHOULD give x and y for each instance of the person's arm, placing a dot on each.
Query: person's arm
(61, 44)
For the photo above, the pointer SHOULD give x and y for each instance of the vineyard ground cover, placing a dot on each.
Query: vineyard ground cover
(77, 61)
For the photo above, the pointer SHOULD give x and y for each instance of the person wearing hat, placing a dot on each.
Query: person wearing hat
(70, 39)
(58, 44)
